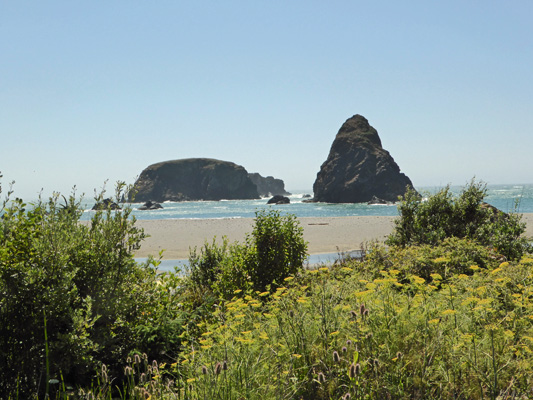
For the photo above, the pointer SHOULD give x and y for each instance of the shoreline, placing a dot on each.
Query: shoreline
(323, 234)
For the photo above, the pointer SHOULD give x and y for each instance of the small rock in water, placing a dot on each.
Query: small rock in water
(278, 199)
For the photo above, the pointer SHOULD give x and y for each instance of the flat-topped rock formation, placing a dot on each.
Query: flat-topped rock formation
(194, 179)
(358, 168)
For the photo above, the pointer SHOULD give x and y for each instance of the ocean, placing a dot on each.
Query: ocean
(518, 198)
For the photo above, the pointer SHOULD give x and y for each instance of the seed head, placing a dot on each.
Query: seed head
(321, 377)
(225, 365)
(353, 314)
(347, 396)
(344, 349)
(145, 393)
(218, 368)
(336, 357)
(137, 359)
(362, 309)
(348, 342)
(204, 370)
(154, 365)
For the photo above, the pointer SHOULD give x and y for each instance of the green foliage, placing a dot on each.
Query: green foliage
(278, 248)
(444, 216)
(274, 250)
(453, 256)
(79, 278)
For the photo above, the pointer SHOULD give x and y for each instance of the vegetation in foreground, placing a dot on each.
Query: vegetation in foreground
(450, 317)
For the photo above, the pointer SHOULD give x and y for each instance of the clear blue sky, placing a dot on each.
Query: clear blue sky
(98, 90)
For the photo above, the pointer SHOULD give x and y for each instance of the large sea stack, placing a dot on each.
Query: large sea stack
(358, 168)
(194, 179)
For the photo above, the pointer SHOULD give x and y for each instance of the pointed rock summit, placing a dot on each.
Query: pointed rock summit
(358, 168)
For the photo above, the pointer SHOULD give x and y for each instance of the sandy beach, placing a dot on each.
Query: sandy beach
(325, 235)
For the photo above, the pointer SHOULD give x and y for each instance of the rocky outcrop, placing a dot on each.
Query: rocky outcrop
(194, 179)
(358, 168)
(106, 204)
(279, 199)
(150, 205)
(377, 201)
(268, 186)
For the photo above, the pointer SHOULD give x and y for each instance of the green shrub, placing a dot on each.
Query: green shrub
(278, 247)
(80, 278)
(274, 250)
(453, 256)
(443, 215)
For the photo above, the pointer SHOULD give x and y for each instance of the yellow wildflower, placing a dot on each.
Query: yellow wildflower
(449, 312)
(504, 264)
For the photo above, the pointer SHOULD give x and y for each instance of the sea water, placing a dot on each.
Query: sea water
(515, 198)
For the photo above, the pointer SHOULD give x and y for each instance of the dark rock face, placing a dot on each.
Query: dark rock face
(268, 186)
(194, 179)
(278, 199)
(358, 168)
(150, 205)
(106, 204)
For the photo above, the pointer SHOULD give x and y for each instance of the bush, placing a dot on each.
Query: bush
(453, 256)
(70, 292)
(278, 247)
(443, 215)
(274, 250)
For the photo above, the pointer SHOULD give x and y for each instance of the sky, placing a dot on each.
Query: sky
(95, 91)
